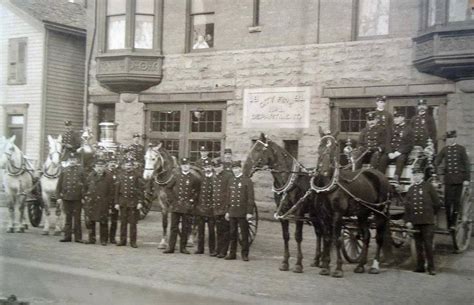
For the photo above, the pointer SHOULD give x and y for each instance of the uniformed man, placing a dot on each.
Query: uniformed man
(71, 140)
(185, 186)
(423, 125)
(203, 211)
(99, 192)
(240, 208)
(457, 174)
(400, 146)
(422, 204)
(112, 169)
(69, 193)
(220, 188)
(137, 151)
(203, 156)
(373, 139)
(227, 159)
(129, 199)
(384, 118)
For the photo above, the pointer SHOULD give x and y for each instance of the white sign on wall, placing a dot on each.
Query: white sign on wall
(277, 107)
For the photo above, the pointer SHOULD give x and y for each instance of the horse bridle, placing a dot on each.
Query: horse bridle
(155, 174)
(19, 170)
(50, 157)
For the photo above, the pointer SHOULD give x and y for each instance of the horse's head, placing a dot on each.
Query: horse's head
(153, 161)
(8, 150)
(261, 155)
(55, 149)
(328, 150)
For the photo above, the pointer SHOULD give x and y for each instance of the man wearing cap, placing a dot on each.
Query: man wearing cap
(137, 151)
(98, 199)
(71, 140)
(69, 192)
(227, 159)
(204, 155)
(129, 199)
(457, 174)
(185, 186)
(423, 125)
(220, 189)
(112, 170)
(239, 211)
(384, 118)
(422, 203)
(373, 140)
(203, 211)
(400, 146)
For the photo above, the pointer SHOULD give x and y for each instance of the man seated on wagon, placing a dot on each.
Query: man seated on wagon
(71, 140)
(423, 125)
(372, 142)
(384, 118)
(457, 175)
(400, 146)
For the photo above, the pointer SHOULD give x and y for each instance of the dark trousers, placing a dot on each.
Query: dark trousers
(128, 216)
(452, 197)
(400, 162)
(114, 215)
(424, 246)
(72, 209)
(201, 228)
(186, 220)
(222, 230)
(103, 234)
(235, 224)
(373, 158)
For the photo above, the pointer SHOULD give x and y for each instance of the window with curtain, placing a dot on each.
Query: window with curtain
(373, 18)
(144, 20)
(202, 24)
(116, 19)
(431, 12)
(458, 10)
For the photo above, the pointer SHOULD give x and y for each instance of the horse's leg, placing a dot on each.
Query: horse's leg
(299, 240)
(21, 207)
(164, 222)
(364, 227)
(59, 223)
(46, 212)
(383, 242)
(11, 211)
(337, 227)
(286, 238)
(317, 255)
(326, 257)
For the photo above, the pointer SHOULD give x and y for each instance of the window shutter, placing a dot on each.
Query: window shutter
(12, 60)
(21, 63)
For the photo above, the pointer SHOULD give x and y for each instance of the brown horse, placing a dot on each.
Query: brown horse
(345, 193)
(292, 194)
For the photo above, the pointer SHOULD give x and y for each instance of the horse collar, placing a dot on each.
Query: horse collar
(290, 182)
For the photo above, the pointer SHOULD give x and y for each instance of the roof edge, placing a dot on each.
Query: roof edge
(64, 28)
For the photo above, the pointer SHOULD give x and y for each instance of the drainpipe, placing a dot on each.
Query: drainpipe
(88, 64)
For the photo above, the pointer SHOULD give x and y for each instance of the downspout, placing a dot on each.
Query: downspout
(44, 96)
(88, 64)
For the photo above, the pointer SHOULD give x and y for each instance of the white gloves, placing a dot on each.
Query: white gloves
(139, 206)
(117, 207)
(227, 216)
(409, 225)
(465, 183)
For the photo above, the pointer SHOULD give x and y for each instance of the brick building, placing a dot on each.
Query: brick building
(216, 73)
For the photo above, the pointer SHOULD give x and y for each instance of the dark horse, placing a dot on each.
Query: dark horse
(290, 186)
(345, 193)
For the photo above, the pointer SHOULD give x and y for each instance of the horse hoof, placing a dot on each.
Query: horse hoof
(11, 230)
(337, 274)
(21, 230)
(45, 233)
(190, 244)
(162, 246)
(25, 226)
(324, 271)
(284, 267)
(298, 269)
(57, 233)
(359, 269)
(315, 264)
(374, 271)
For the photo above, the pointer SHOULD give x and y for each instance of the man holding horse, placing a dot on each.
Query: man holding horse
(185, 187)
(98, 198)
(373, 141)
(240, 208)
(69, 193)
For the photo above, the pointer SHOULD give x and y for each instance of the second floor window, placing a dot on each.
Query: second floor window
(17, 61)
(373, 18)
(130, 28)
(202, 24)
(460, 10)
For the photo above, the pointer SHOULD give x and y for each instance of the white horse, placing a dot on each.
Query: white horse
(49, 180)
(18, 181)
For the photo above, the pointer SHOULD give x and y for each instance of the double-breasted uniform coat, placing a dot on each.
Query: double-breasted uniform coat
(373, 139)
(220, 186)
(422, 203)
(457, 169)
(424, 128)
(402, 142)
(204, 213)
(71, 141)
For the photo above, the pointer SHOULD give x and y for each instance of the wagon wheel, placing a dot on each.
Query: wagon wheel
(463, 229)
(147, 203)
(352, 244)
(35, 211)
(253, 225)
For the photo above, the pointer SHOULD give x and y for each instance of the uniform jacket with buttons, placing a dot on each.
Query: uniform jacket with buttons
(457, 166)
(137, 152)
(385, 119)
(186, 189)
(70, 183)
(424, 127)
(72, 138)
(220, 187)
(241, 196)
(200, 163)
(374, 138)
(129, 189)
(99, 195)
(402, 139)
(204, 206)
(422, 203)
